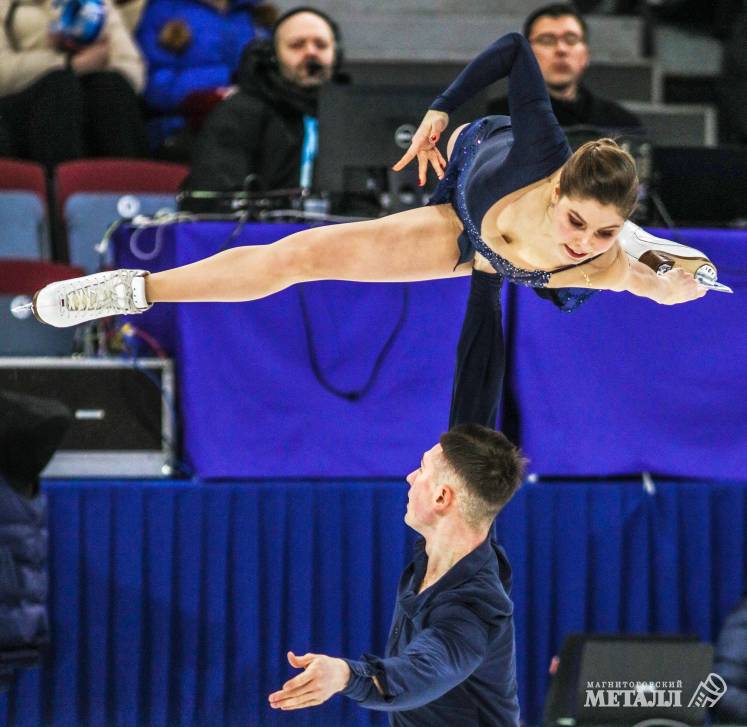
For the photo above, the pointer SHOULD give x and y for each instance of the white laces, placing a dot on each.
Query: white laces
(106, 295)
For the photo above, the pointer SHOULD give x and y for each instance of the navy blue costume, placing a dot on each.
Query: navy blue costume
(450, 656)
(493, 157)
(497, 155)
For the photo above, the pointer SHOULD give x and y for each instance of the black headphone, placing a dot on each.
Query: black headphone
(336, 34)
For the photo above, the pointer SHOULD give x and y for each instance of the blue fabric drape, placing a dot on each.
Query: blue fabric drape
(633, 385)
(259, 352)
(157, 248)
(256, 358)
(173, 604)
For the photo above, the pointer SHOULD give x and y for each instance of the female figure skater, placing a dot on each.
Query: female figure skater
(512, 197)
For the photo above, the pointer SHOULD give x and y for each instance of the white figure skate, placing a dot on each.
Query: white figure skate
(663, 255)
(79, 300)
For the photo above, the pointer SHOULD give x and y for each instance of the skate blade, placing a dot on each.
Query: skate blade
(718, 287)
(20, 310)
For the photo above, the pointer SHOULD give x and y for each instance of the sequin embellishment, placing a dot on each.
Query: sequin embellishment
(451, 189)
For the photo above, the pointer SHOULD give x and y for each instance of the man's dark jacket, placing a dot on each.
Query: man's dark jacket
(451, 655)
(24, 629)
(257, 131)
(587, 109)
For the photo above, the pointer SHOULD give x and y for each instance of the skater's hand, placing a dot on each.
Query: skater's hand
(423, 146)
(93, 57)
(322, 677)
(680, 287)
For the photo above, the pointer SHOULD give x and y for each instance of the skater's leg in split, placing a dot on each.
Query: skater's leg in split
(419, 244)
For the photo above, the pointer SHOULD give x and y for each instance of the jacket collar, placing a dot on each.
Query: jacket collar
(579, 105)
(411, 601)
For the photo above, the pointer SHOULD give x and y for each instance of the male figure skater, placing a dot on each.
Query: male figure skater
(450, 655)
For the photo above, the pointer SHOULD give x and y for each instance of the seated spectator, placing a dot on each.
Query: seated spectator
(131, 11)
(192, 47)
(258, 132)
(69, 84)
(558, 35)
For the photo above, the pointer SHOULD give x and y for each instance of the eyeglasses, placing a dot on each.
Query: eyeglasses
(550, 40)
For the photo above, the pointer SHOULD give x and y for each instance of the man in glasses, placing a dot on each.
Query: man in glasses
(559, 36)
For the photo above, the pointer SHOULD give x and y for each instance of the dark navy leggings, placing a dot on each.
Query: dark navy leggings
(481, 355)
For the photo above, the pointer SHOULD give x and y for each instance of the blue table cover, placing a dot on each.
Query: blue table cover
(251, 403)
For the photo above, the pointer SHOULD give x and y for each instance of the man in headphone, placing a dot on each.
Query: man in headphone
(263, 136)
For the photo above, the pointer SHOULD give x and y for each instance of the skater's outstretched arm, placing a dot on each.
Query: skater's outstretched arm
(661, 269)
(535, 128)
(618, 271)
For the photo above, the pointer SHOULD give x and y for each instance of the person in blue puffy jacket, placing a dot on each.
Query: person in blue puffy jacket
(192, 47)
(31, 430)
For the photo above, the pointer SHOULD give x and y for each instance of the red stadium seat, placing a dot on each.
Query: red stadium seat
(25, 277)
(19, 175)
(24, 211)
(87, 193)
(117, 175)
(20, 334)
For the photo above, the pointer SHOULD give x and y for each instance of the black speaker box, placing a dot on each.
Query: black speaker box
(123, 412)
(630, 680)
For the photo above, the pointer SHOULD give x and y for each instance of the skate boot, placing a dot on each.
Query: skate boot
(79, 300)
(663, 255)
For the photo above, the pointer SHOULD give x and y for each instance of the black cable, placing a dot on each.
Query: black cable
(235, 232)
(250, 180)
(352, 394)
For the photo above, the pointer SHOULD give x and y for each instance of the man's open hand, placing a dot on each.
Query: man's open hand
(322, 677)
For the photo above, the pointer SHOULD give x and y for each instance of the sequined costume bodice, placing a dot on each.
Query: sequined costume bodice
(453, 189)
(498, 155)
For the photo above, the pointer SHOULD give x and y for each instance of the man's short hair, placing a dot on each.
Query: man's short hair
(555, 10)
(489, 467)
